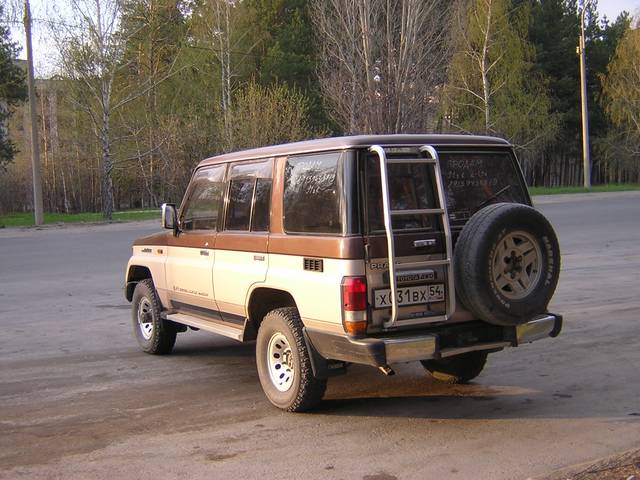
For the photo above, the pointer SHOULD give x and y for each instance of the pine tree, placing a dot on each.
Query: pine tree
(13, 90)
(285, 51)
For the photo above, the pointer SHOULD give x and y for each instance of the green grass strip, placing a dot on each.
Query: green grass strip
(26, 219)
(595, 188)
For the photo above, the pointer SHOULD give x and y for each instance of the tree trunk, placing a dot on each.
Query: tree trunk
(107, 168)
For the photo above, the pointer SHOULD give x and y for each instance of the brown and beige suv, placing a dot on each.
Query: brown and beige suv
(374, 250)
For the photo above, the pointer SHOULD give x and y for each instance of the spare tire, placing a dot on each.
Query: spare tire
(506, 264)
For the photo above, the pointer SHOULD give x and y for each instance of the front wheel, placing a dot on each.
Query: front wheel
(154, 335)
(284, 362)
(459, 369)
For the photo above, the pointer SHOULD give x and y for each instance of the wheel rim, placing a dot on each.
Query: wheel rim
(145, 318)
(516, 265)
(280, 362)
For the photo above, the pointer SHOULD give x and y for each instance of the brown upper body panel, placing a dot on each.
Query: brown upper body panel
(242, 241)
(356, 141)
(346, 248)
(160, 239)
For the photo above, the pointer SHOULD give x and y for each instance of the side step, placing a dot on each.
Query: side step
(237, 333)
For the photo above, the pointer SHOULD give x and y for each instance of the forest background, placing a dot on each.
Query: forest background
(145, 89)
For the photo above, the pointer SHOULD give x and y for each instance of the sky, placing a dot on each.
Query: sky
(612, 8)
(44, 46)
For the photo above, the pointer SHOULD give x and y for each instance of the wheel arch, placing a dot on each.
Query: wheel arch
(135, 273)
(261, 301)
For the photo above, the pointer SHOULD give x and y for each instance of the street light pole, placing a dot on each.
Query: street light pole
(586, 155)
(35, 141)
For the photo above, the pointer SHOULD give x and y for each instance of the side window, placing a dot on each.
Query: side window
(239, 211)
(201, 207)
(249, 196)
(312, 194)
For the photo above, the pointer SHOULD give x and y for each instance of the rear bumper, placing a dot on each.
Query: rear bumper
(442, 342)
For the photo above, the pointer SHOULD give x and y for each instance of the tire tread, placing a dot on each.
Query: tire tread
(311, 389)
(164, 336)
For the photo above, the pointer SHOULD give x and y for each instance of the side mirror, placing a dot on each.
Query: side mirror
(169, 217)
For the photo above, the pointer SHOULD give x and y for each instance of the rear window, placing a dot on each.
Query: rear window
(410, 188)
(312, 194)
(475, 179)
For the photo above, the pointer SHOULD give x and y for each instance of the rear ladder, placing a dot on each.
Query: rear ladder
(430, 157)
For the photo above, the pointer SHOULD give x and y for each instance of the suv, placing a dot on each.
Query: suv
(374, 250)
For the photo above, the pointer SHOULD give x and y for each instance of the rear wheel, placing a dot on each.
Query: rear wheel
(459, 369)
(154, 335)
(284, 362)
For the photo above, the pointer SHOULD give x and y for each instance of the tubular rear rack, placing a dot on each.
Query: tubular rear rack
(430, 157)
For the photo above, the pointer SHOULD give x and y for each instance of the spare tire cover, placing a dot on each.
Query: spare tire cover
(506, 263)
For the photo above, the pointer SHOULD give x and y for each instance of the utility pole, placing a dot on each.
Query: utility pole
(586, 155)
(35, 141)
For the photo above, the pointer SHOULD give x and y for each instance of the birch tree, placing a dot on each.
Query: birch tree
(92, 58)
(621, 98)
(155, 31)
(381, 61)
(216, 25)
(621, 88)
(492, 89)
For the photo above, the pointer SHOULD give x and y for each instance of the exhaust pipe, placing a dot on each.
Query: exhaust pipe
(386, 370)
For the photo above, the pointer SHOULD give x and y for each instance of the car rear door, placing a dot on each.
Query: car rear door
(241, 245)
(421, 292)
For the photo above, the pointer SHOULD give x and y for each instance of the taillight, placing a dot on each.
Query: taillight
(354, 305)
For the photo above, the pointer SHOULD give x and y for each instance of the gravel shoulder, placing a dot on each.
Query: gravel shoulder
(624, 466)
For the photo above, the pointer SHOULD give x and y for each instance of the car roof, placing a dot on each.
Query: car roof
(355, 141)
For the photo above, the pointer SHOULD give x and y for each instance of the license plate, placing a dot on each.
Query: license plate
(410, 295)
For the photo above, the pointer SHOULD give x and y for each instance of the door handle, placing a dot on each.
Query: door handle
(258, 258)
(204, 253)
(427, 242)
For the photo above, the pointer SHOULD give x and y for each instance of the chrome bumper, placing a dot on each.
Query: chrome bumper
(540, 327)
(381, 351)
(411, 349)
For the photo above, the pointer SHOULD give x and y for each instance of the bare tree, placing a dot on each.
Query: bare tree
(382, 61)
(92, 57)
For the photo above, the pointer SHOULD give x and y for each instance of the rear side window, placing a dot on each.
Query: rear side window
(312, 194)
(202, 204)
(475, 179)
(249, 196)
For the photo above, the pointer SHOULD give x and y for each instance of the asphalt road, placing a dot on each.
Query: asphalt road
(78, 400)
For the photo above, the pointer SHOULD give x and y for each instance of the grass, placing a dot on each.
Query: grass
(595, 188)
(26, 219)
